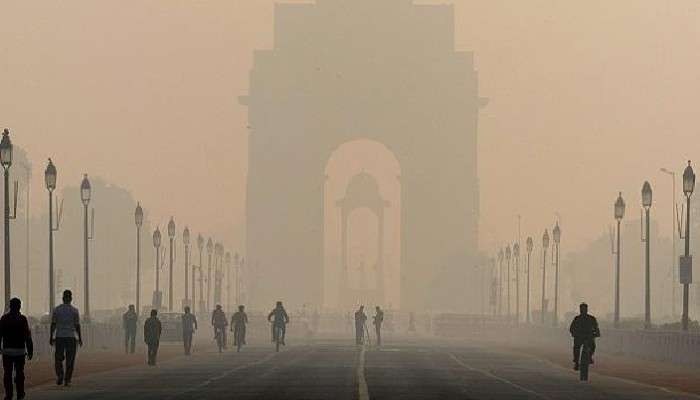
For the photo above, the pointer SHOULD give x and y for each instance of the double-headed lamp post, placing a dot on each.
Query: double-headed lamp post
(516, 256)
(646, 204)
(529, 246)
(157, 297)
(508, 282)
(50, 175)
(556, 235)
(138, 219)
(6, 162)
(619, 211)
(545, 246)
(85, 196)
(686, 262)
(186, 242)
(171, 235)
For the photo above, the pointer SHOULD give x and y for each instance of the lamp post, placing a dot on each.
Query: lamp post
(186, 242)
(529, 246)
(138, 219)
(237, 265)
(619, 210)
(646, 204)
(508, 282)
(218, 252)
(50, 176)
(157, 297)
(171, 235)
(227, 263)
(516, 255)
(210, 248)
(85, 196)
(200, 246)
(672, 174)
(6, 162)
(556, 234)
(686, 262)
(545, 246)
(500, 282)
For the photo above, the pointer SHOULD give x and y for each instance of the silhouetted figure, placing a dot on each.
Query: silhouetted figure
(16, 342)
(360, 319)
(584, 328)
(65, 325)
(220, 322)
(411, 322)
(130, 321)
(279, 318)
(238, 322)
(189, 325)
(378, 320)
(151, 335)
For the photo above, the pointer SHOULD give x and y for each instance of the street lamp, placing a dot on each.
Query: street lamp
(237, 262)
(672, 174)
(186, 242)
(686, 262)
(50, 176)
(171, 235)
(200, 246)
(556, 234)
(227, 263)
(6, 162)
(85, 196)
(545, 246)
(508, 281)
(646, 204)
(619, 211)
(138, 219)
(157, 295)
(529, 246)
(516, 256)
(210, 248)
(500, 282)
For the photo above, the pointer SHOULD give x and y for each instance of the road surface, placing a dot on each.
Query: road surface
(337, 370)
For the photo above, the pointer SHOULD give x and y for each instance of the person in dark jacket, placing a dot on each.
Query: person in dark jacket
(130, 321)
(583, 328)
(16, 343)
(377, 322)
(360, 320)
(151, 335)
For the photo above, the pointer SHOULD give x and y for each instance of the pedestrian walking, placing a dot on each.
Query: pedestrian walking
(16, 343)
(360, 319)
(130, 321)
(238, 323)
(189, 325)
(151, 335)
(378, 320)
(65, 326)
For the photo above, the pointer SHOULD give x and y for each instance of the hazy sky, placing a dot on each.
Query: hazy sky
(586, 99)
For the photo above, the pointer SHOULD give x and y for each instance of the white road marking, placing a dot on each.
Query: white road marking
(496, 377)
(362, 391)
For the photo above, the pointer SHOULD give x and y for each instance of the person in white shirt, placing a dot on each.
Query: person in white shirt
(65, 325)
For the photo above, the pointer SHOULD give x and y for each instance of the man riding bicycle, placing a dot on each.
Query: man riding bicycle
(238, 322)
(219, 321)
(279, 318)
(584, 328)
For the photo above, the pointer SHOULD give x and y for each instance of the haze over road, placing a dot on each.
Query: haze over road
(336, 370)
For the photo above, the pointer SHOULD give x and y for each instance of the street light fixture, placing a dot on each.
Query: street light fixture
(529, 246)
(516, 256)
(210, 249)
(545, 246)
(200, 246)
(508, 281)
(237, 262)
(85, 197)
(556, 235)
(500, 282)
(646, 204)
(6, 162)
(619, 212)
(686, 262)
(157, 295)
(171, 235)
(186, 242)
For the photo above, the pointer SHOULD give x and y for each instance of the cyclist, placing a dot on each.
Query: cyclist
(279, 318)
(219, 321)
(238, 322)
(584, 328)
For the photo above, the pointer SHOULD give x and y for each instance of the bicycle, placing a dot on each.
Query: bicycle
(219, 337)
(585, 359)
(278, 337)
(239, 339)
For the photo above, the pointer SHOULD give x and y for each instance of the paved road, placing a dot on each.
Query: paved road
(338, 371)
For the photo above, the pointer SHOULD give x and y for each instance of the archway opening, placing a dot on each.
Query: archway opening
(362, 225)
